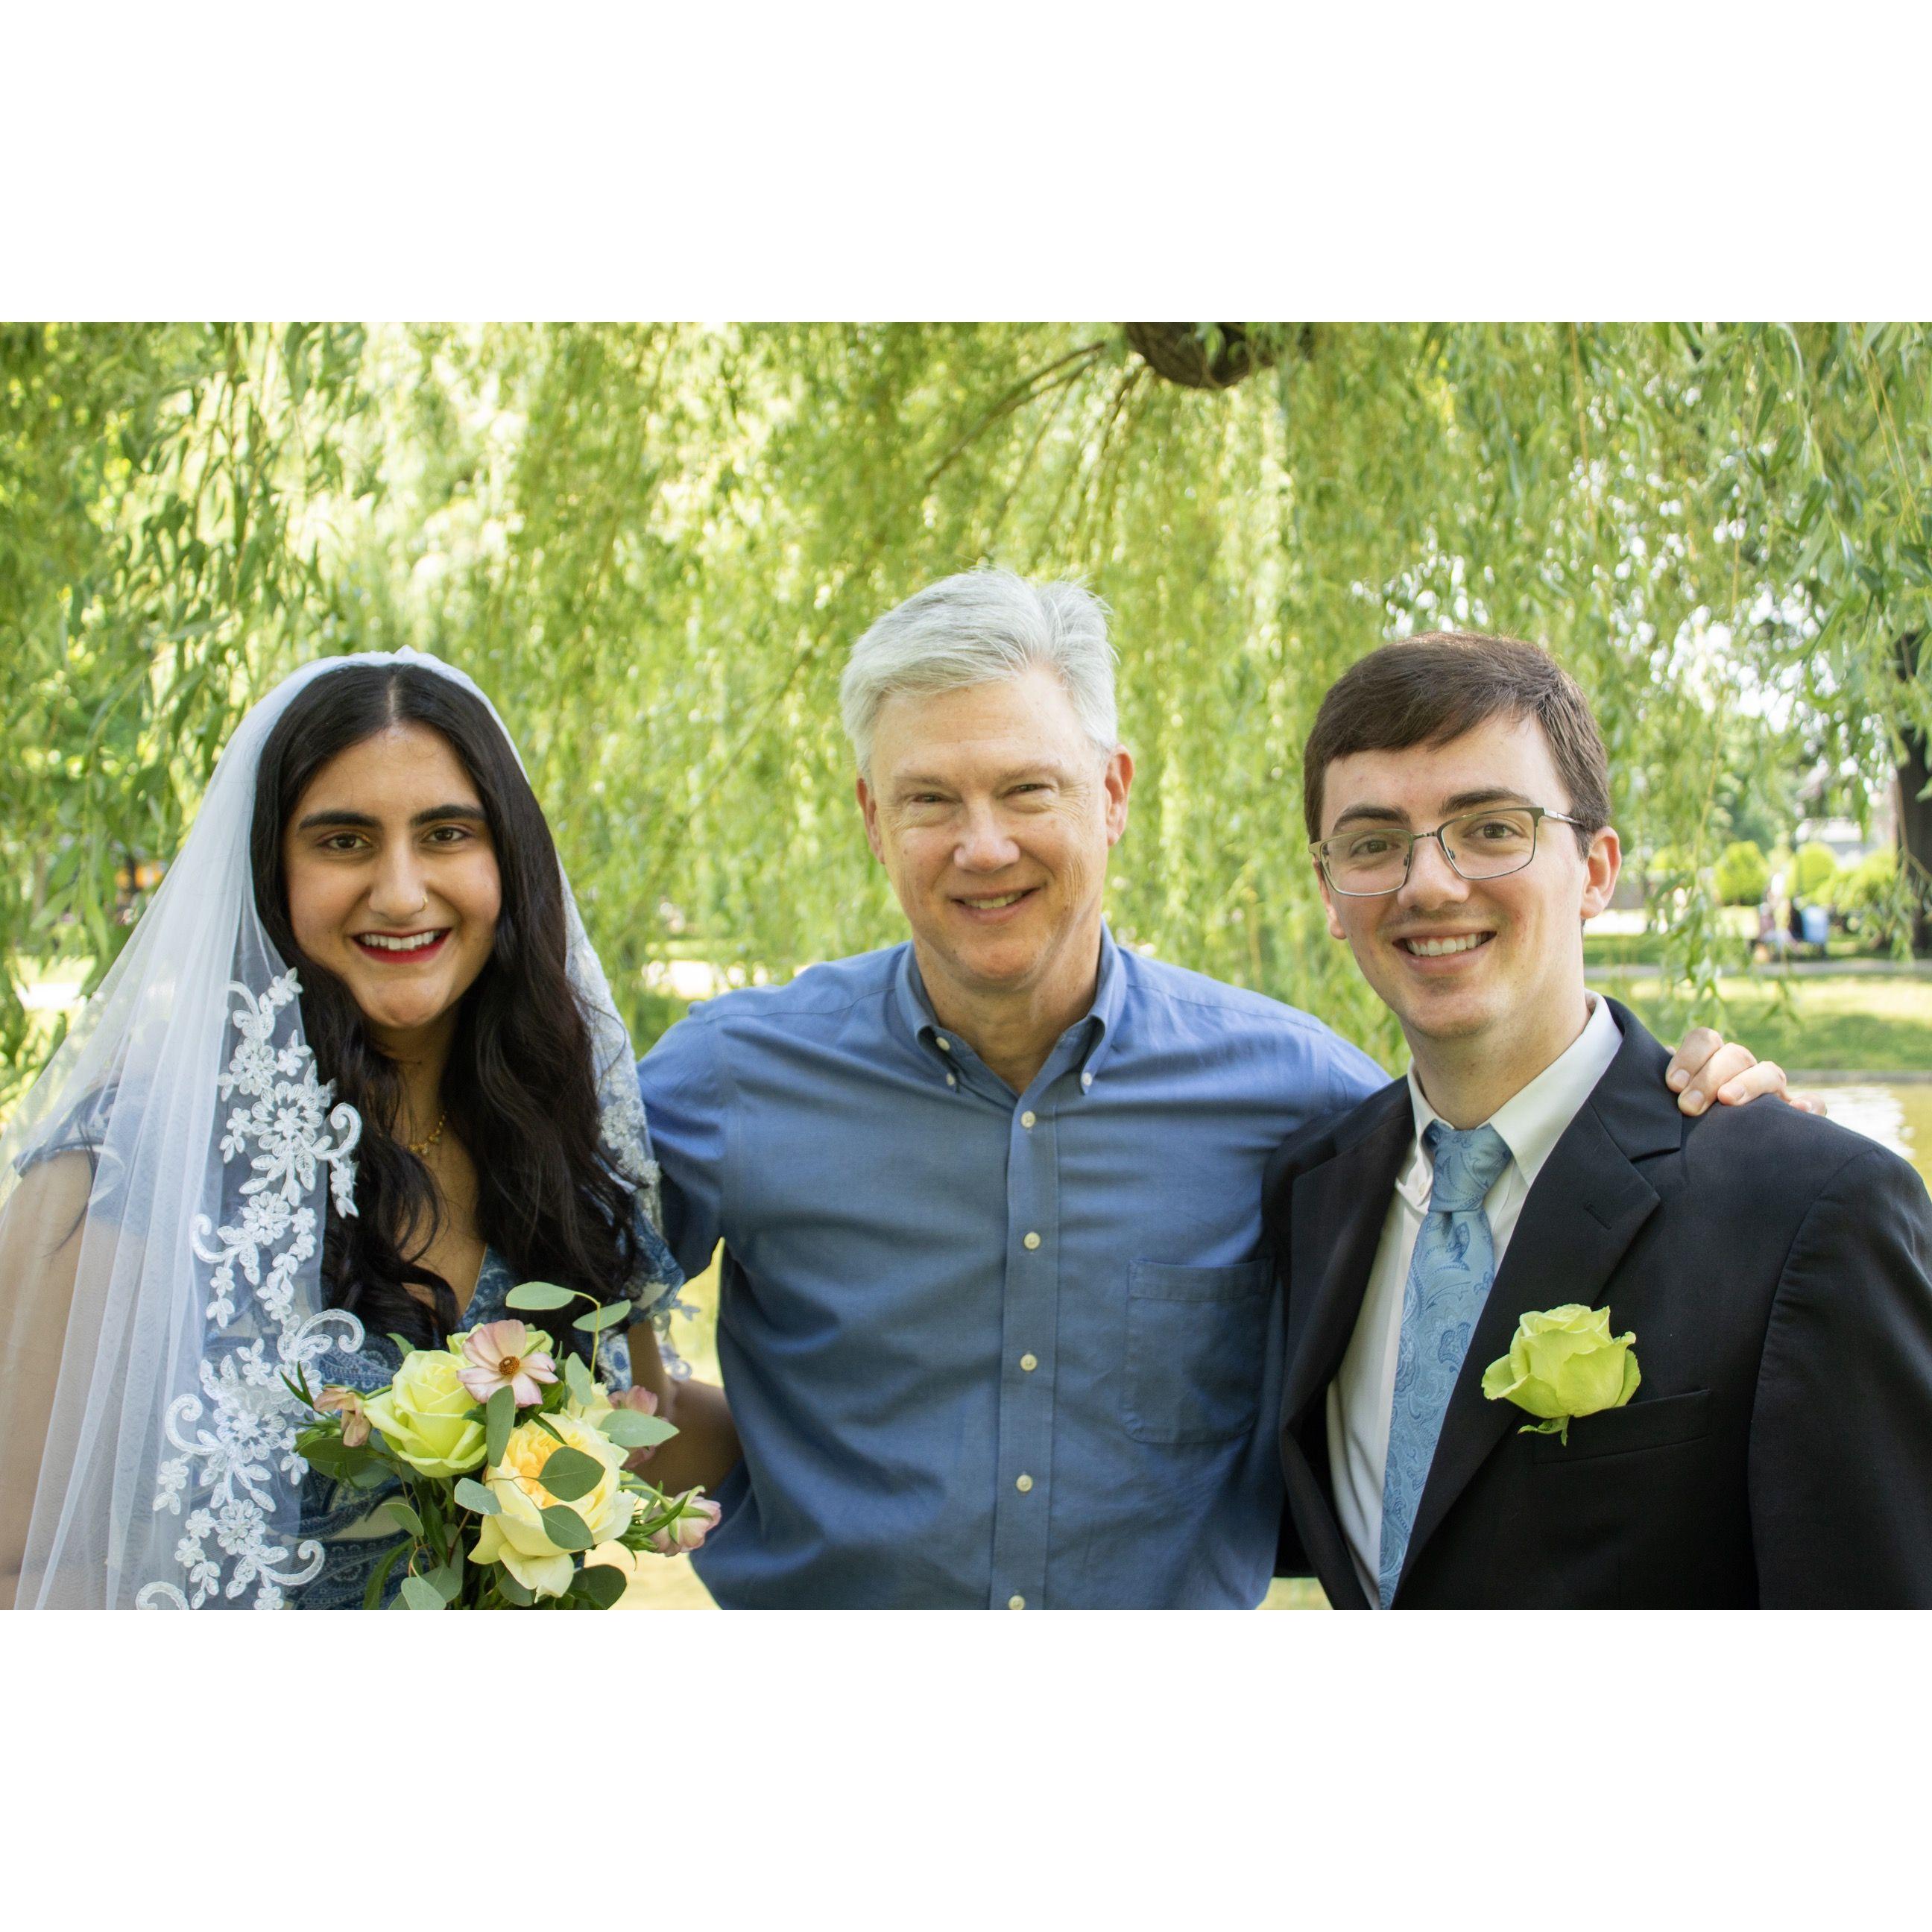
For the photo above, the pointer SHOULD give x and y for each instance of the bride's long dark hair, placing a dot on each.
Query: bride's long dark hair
(520, 1087)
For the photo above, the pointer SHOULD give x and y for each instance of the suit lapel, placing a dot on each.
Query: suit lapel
(1336, 1216)
(1579, 1218)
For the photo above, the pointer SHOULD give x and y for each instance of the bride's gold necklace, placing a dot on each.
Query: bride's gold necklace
(421, 1147)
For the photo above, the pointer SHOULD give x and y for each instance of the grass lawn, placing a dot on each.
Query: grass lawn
(1872, 1025)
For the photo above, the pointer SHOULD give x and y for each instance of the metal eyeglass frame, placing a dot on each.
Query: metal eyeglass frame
(1318, 849)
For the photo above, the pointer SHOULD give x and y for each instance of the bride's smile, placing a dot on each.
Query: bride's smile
(392, 877)
(404, 947)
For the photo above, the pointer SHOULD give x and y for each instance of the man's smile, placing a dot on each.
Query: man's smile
(982, 907)
(1424, 946)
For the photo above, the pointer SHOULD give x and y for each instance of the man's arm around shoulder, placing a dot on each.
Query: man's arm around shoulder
(1840, 1468)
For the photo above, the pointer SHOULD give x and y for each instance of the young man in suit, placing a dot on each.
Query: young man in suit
(1773, 1445)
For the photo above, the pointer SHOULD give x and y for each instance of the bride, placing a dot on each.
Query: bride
(356, 1074)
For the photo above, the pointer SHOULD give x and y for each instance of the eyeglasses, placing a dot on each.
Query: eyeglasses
(1374, 860)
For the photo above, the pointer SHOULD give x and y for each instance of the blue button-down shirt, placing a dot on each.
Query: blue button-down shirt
(984, 1349)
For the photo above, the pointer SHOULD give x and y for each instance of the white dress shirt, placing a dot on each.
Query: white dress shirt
(1363, 1393)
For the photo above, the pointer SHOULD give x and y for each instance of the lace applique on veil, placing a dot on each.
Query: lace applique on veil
(237, 1467)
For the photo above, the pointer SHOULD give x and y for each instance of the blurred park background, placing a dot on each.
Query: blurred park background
(652, 544)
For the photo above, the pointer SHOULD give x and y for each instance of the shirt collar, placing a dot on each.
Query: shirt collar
(915, 1009)
(1531, 1120)
(1103, 1016)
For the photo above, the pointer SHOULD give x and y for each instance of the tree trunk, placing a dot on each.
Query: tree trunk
(1187, 352)
(1914, 810)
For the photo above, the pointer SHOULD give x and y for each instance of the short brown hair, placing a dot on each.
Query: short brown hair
(1431, 687)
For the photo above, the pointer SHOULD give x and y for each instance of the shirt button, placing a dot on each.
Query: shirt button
(1016, 1602)
(1086, 1079)
(945, 1045)
(1026, 1120)
(1024, 1483)
(1031, 1241)
(952, 1080)
(1029, 1363)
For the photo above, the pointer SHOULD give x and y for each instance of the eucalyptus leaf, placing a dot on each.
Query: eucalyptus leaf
(474, 1495)
(512, 1591)
(500, 1412)
(631, 1429)
(541, 1295)
(579, 1380)
(435, 1530)
(566, 1528)
(569, 1474)
(406, 1518)
(419, 1593)
(609, 1316)
(378, 1577)
(326, 1454)
(404, 1346)
(601, 1584)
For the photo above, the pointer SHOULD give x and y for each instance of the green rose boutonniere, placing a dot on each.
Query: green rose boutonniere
(1563, 1363)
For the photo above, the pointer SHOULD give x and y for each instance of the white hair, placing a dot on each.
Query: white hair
(974, 628)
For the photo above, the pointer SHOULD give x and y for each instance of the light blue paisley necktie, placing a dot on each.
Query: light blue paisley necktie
(1449, 1278)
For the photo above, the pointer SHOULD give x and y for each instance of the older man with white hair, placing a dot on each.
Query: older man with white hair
(995, 1324)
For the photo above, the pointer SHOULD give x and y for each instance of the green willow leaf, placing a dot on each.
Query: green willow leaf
(652, 545)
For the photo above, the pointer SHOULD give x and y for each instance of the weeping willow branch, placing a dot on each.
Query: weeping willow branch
(1020, 394)
(648, 543)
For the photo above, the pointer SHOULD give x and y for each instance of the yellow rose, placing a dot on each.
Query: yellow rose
(424, 1415)
(1562, 1363)
(593, 1410)
(516, 1537)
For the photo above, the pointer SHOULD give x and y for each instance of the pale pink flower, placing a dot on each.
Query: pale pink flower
(699, 1518)
(504, 1358)
(347, 1404)
(645, 1403)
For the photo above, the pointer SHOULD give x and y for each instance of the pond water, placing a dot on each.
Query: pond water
(1899, 1117)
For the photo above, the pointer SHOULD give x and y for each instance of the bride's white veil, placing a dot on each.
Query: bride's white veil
(163, 1189)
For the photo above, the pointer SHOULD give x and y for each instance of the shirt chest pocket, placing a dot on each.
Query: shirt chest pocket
(1196, 1343)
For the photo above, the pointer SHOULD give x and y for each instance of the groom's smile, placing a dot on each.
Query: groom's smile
(1483, 962)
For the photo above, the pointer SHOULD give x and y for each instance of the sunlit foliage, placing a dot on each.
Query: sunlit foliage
(652, 545)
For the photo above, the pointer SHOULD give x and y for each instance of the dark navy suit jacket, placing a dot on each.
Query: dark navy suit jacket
(1777, 1270)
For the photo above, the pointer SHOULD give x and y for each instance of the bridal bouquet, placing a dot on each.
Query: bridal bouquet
(511, 1474)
